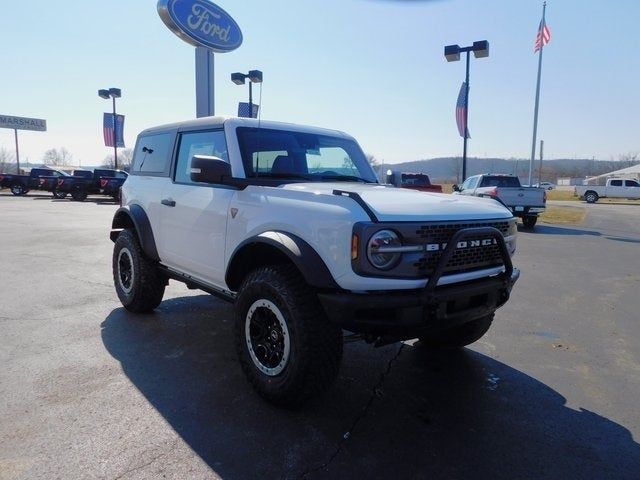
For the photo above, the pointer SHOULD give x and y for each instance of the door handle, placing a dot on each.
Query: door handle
(168, 202)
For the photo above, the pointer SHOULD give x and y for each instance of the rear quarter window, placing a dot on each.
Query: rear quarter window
(152, 155)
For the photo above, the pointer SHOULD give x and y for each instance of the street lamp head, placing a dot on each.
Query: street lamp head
(452, 53)
(115, 92)
(238, 78)
(481, 49)
(102, 93)
(255, 76)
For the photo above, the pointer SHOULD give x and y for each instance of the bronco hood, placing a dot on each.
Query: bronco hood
(391, 204)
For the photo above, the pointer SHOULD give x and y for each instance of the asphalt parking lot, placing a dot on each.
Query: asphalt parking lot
(88, 390)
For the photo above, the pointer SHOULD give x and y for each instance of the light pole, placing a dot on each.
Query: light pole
(480, 49)
(112, 93)
(254, 76)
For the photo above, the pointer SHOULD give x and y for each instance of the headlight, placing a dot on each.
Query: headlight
(384, 249)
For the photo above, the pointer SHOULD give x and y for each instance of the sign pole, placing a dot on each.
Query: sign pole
(205, 81)
(115, 136)
(15, 132)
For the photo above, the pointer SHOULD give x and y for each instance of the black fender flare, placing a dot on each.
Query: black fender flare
(294, 248)
(134, 216)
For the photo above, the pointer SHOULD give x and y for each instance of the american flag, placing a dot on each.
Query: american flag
(543, 36)
(461, 110)
(243, 110)
(109, 134)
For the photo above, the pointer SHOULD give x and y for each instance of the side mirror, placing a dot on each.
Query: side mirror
(456, 187)
(207, 169)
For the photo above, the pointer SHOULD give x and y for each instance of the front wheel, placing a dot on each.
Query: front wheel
(529, 221)
(460, 336)
(286, 346)
(18, 189)
(138, 282)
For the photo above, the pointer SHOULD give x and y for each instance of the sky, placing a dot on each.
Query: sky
(372, 68)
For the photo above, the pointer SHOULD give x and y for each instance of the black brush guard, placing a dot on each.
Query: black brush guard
(411, 313)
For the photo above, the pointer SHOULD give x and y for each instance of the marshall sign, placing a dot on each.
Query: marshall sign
(23, 123)
(201, 23)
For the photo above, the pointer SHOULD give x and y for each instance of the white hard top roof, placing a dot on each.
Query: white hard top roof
(219, 121)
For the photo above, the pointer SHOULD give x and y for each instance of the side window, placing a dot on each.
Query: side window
(632, 183)
(153, 155)
(210, 143)
(469, 183)
(616, 183)
(473, 182)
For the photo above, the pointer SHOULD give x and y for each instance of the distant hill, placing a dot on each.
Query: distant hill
(447, 170)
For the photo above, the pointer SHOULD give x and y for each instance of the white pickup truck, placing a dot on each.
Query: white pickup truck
(524, 202)
(615, 188)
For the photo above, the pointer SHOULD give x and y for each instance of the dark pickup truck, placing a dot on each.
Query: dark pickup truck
(99, 182)
(38, 179)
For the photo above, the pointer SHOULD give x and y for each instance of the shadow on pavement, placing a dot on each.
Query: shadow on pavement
(546, 229)
(394, 412)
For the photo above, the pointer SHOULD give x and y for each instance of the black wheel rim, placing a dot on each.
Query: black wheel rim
(267, 337)
(125, 270)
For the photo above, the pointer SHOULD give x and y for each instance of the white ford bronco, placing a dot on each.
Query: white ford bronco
(291, 225)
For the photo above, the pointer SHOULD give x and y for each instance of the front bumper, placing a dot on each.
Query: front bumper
(410, 314)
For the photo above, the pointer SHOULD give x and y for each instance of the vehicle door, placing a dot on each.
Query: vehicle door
(632, 188)
(194, 215)
(615, 188)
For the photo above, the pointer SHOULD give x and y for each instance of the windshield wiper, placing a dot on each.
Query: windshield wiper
(282, 175)
(345, 178)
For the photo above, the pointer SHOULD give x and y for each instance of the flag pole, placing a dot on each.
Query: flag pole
(535, 110)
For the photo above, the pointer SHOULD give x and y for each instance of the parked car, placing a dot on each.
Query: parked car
(413, 181)
(525, 202)
(99, 182)
(37, 179)
(290, 224)
(545, 185)
(614, 188)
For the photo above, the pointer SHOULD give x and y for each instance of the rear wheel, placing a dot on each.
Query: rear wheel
(287, 348)
(138, 282)
(18, 189)
(529, 221)
(591, 197)
(460, 336)
(79, 195)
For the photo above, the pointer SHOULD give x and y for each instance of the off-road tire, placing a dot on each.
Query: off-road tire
(460, 336)
(529, 221)
(140, 290)
(18, 189)
(79, 195)
(591, 197)
(315, 344)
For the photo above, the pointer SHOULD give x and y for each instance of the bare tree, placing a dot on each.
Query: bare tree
(7, 161)
(57, 157)
(630, 159)
(124, 160)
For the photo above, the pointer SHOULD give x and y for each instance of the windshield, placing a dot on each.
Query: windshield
(270, 153)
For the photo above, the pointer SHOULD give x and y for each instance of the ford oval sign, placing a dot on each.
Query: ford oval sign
(201, 23)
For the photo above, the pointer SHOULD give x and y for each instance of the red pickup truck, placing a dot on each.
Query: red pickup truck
(414, 181)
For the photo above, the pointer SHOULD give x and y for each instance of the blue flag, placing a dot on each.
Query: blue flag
(111, 137)
(243, 110)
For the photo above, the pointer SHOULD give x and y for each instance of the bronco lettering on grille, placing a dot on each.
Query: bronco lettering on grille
(435, 247)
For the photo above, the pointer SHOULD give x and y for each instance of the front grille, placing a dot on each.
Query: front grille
(463, 259)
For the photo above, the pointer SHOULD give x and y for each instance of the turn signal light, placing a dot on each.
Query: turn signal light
(355, 241)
